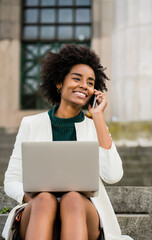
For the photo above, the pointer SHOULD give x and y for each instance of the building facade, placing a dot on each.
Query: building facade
(120, 31)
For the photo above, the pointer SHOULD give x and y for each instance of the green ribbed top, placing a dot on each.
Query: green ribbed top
(63, 129)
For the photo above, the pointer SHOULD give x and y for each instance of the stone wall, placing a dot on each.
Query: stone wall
(122, 36)
(132, 58)
(9, 57)
(103, 16)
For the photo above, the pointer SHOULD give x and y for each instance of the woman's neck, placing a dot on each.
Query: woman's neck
(67, 111)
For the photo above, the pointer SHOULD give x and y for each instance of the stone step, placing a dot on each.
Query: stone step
(124, 199)
(131, 199)
(3, 218)
(134, 151)
(137, 161)
(133, 206)
(136, 172)
(135, 181)
(137, 226)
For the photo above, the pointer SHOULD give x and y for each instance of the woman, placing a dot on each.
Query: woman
(69, 80)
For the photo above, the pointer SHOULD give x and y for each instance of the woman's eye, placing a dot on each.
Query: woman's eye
(78, 79)
(90, 83)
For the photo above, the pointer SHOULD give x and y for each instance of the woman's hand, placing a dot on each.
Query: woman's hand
(101, 100)
(104, 138)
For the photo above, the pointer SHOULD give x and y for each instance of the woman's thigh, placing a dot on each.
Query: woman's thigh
(75, 201)
(57, 226)
(25, 219)
(92, 219)
(41, 209)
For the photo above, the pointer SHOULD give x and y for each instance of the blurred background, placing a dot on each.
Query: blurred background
(120, 32)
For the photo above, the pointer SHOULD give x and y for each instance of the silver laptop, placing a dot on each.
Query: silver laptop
(61, 166)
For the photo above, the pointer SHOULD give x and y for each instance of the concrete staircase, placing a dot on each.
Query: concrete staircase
(137, 164)
(133, 204)
(7, 140)
(137, 161)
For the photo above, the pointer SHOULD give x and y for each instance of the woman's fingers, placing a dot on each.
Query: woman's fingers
(101, 102)
(100, 96)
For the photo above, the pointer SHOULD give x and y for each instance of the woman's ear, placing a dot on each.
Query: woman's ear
(59, 85)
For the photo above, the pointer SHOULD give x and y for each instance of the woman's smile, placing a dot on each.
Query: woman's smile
(78, 85)
(80, 94)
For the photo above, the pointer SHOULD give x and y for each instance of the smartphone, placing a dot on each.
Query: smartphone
(93, 101)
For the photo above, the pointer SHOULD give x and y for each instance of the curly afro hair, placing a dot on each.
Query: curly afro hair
(56, 66)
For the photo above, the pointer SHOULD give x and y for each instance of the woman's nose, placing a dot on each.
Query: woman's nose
(83, 84)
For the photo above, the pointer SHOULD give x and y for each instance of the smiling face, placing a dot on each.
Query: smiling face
(78, 85)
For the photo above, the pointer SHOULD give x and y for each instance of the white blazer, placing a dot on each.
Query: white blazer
(38, 128)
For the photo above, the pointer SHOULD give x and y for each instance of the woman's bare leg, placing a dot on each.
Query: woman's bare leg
(38, 218)
(79, 218)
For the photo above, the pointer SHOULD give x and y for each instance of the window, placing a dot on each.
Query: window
(47, 25)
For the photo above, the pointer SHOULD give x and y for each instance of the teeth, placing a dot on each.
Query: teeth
(80, 94)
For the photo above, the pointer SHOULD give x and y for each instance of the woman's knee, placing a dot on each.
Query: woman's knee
(45, 199)
(72, 201)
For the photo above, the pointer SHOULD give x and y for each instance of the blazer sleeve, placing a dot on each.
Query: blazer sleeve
(110, 165)
(13, 185)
